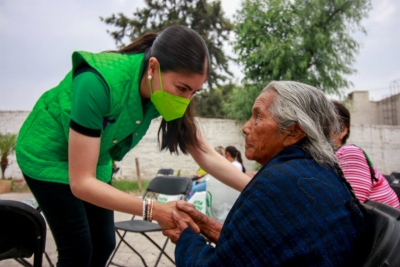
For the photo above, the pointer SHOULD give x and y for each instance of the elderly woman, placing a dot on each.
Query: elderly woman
(298, 210)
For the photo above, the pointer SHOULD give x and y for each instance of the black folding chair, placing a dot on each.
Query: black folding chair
(382, 237)
(164, 172)
(167, 185)
(396, 175)
(22, 233)
(391, 211)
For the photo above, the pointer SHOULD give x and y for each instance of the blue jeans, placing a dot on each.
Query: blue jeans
(197, 188)
(84, 233)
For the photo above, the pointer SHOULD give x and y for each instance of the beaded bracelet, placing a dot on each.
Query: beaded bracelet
(148, 209)
(144, 211)
(150, 218)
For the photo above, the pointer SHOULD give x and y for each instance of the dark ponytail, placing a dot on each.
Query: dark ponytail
(344, 118)
(140, 45)
(236, 155)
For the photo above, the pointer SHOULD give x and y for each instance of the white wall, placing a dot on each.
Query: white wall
(364, 111)
(382, 143)
(218, 133)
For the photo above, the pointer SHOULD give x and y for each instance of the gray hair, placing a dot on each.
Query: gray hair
(312, 111)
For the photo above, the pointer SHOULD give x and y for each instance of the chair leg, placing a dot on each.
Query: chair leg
(161, 253)
(23, 262)
(161, 249)
(122, 240)
(116, 248)
(48, 259)
(126, 243)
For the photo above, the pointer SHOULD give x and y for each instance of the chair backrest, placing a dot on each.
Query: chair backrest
(164, 172)
(392, 211)
(396, 175)
(169, 185)
(22, 231)
(382, 236)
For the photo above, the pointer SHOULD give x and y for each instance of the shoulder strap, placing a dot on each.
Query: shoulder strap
(371, 167)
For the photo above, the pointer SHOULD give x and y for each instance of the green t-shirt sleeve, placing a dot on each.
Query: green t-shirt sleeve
(90, 100)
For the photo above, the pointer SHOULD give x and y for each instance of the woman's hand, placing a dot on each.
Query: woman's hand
(181, 225)
(208, 227)
(162, 213)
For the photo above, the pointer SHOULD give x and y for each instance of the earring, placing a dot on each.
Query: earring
(149, 77)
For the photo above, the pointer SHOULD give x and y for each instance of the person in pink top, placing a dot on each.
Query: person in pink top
(367, 182)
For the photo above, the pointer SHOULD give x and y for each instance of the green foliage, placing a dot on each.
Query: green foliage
(239, 103)
(308, 41)
(7, 146)
(19, 186)
(129, 186)
(205, 17)
(209, 104)
(257, 166)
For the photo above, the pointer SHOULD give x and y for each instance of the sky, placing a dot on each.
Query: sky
(37, 38)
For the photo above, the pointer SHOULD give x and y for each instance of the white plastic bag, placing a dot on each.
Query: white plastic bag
(219, 199)
(167, 198)
(199, 201)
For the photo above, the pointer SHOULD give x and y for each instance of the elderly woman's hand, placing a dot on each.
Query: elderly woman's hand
(208, 227)
(181, 225)
(162, 213)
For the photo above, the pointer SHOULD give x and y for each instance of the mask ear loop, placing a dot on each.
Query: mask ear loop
(151, 81)
(159, 75)
(150, 84)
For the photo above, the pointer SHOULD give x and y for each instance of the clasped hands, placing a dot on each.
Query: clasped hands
(184, 214)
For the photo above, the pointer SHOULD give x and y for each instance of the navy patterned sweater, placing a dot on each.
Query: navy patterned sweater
(294, 212)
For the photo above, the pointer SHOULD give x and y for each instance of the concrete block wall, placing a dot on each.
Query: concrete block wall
(382, 143)
(364, 111)
(218, 133)
(383, 112)
(11, 121)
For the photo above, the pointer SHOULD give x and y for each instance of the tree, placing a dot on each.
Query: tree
(209, 103)
(206, 18)
(238, 105)
(308, 41)
(7, 146)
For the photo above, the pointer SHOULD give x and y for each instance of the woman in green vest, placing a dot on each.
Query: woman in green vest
(98, 112)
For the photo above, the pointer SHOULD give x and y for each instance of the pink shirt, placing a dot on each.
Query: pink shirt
(356, 170)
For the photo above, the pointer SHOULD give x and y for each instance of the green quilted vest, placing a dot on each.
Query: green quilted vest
(42, 145)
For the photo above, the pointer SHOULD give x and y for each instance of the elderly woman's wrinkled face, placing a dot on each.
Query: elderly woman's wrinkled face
(263, 138)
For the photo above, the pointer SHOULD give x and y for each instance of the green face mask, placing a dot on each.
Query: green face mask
(170, 106)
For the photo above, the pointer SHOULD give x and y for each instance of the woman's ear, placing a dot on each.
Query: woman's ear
(153, 67)
(293, 135)
(343, 133)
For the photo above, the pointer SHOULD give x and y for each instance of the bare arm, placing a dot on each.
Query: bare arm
(83, 153)
(216, 165)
